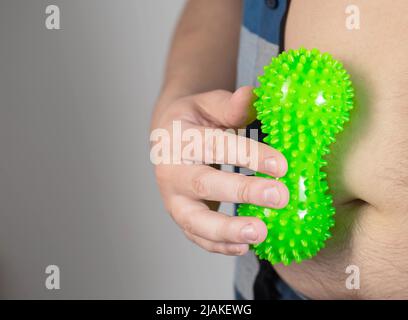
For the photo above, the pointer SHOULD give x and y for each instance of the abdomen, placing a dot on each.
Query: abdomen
(369, 163)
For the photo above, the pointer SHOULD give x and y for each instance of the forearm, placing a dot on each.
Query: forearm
(203, 54)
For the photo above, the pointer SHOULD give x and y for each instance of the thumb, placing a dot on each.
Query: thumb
(242, 112)
(229, 110)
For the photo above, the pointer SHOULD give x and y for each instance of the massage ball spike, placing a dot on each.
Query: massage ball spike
(303, 101)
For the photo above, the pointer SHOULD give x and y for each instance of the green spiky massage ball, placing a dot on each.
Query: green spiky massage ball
(304, 99)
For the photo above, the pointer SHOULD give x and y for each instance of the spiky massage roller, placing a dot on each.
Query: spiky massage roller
(304, 99)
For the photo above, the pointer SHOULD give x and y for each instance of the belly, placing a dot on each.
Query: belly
(368, 166)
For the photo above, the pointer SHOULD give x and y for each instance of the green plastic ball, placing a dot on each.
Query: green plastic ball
(304, 100)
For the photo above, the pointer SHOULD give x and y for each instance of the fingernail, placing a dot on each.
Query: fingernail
(249, 233)
(272, 196)
(271, 165)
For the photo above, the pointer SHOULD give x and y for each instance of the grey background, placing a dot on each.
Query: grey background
(76, 184)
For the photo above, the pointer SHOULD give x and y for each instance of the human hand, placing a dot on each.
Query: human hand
(190, 186)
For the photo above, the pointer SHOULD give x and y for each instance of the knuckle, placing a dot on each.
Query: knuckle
(238, 251)
(214, 248)
(187, 226)
(210, 149)
(231, 250)
(214, 144)
(243, 191)
(199, 186)
(223, 230)
(246, 150)
(250, 151)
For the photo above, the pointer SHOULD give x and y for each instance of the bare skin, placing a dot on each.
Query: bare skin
(368, 171)
(197, 91)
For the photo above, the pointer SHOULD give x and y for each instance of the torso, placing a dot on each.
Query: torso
(368, 171)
